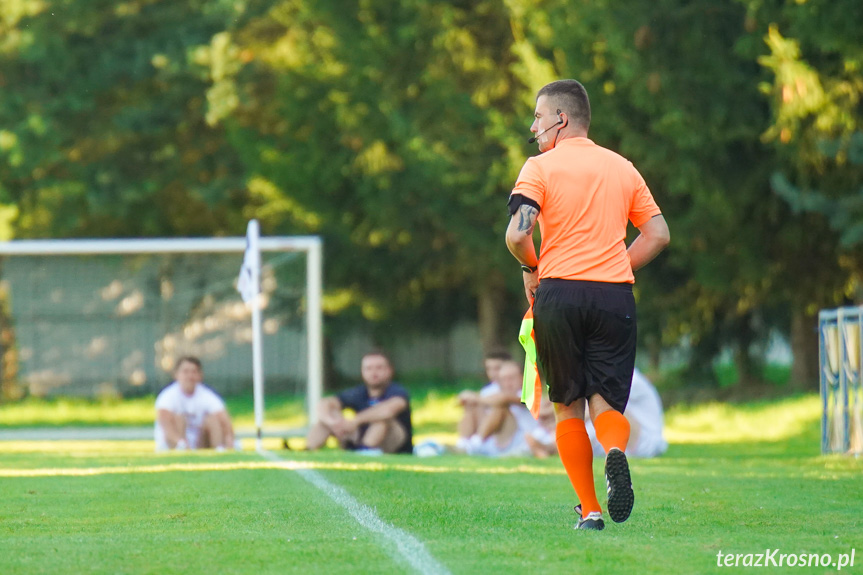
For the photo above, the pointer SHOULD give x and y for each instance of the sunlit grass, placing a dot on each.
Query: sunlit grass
(726, 423)
(433, 410)
(290, 465)
(35, 412)
(435, 416)
(281, 411)
(736, 478)
(72, 447)
(93, 447)
(437, 411)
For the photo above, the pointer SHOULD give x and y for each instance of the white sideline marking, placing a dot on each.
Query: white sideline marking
(407, 548)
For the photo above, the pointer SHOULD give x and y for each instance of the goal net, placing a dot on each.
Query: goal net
(109, 318)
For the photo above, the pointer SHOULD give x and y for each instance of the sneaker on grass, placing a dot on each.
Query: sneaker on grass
(592, 522)
(619, 484)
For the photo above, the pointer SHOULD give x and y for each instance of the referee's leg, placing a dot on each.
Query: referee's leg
(612, 427)
(609, 361)
(576, 454)
(559, 346)
(612, 431)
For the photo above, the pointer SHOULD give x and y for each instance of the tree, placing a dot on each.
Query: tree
(815, 62)
(672, 90)
(105, 133)
(387, 128)
(103, 129)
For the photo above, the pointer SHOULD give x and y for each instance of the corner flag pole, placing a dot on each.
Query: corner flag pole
(249, 286)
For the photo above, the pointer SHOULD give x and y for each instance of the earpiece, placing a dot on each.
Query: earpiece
(559, 122)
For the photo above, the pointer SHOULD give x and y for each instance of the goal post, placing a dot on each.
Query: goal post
(840, 333)
(225, 248)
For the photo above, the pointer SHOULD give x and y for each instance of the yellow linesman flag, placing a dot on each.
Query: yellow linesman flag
(531, 387)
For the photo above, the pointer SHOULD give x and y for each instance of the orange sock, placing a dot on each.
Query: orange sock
(576, 453)
(612, 430)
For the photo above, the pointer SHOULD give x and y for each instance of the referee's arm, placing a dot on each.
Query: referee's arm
(519, 240)
(519, 235)
(654, 237)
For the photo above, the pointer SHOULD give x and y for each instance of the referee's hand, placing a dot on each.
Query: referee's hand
(531, 282)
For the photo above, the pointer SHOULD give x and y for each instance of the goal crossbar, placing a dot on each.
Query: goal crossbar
(155, 245)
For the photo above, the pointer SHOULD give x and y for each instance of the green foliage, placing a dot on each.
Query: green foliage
(673, 90)
(816, 89)
(841, 207)
(386, 128)
(393, 129)
(104, 132)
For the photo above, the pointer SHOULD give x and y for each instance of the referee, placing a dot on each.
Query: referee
(583, 195)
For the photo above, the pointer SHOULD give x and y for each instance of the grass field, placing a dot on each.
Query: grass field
(736, 479)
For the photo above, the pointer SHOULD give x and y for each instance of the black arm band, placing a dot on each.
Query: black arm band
(517, 200)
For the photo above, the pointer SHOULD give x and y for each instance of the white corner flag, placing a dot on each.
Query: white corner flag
(249, 282)
(249, 286)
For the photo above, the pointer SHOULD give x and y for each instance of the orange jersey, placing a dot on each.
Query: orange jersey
(586, 195)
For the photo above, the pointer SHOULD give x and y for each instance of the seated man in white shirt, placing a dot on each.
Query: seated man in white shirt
(190, 415)
(506, 423)
(474, 411)
(542, 439)
(644, 412)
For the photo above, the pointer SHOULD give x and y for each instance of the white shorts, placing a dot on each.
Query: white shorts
(162, 442)
(517, 447)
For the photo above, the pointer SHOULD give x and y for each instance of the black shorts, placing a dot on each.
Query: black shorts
(585, 339)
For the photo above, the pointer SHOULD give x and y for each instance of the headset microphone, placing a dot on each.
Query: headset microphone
(533, 139)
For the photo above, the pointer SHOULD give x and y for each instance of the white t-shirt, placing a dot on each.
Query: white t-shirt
(489, 389)
(645, 408)
(195, 408)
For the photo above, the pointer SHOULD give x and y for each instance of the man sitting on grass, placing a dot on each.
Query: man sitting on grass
(541, 440)
(382, 423)
(469, 399)
(504, 426)
(190, 415)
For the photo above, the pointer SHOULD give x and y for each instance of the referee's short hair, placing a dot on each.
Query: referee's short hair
(570, 97)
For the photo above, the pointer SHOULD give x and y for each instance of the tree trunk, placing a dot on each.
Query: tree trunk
(332, 378)
(653, 345)
(804, 349)
(699, 370)
(748, 368)
(491, 310)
